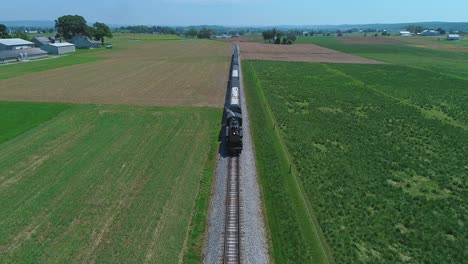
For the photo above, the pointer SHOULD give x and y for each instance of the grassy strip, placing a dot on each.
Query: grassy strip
(199, 219)
(19, 69)
(295, 238)
(17, 118)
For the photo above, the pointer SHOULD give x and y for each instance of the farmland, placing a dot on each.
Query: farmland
(108, 155)
(454, 64)
(91, 183)
(20, 69)
(150, 72)
(297, 52)
(379, 153)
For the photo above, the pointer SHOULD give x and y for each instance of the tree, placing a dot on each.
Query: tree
(192, 32)
(441, 31)
(21, 35)
(3, 31)
(101, 30)
(278, 40)
(284, 41)
(291, 37)
(70, 26)
(268, 35)
(414, 29)
(205, 33)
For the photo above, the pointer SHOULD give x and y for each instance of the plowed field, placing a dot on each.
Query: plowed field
(164, 73)
(298, 52)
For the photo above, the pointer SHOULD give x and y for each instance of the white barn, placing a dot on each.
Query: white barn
(15, 44)
(59, 48)
(406, 34)
(453, 37)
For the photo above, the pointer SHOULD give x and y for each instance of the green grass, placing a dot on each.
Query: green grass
(382, 164)
(19, 69)
(294, 233)
(454, 64)
(17, 118)
(131, 36)
(107, 184)
(199, 221)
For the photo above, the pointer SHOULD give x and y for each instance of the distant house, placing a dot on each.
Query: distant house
(429, 32)
(21, 54)
(15, 44)
(59, 48)
(83, 42)
(40, 41)
(406, 34)
(453, 37)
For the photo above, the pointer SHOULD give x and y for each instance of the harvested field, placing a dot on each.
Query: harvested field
(298, 52)
(369, 41)
(243, 39)
(107, 184)
(164, 73)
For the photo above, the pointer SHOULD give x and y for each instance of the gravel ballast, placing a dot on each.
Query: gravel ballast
(254, 245)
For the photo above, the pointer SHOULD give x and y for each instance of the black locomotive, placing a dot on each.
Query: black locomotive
(233, 126)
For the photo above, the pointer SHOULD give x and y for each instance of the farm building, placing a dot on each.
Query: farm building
(453, 37)
(14, 44)
(59, 48)
(83, 42)
(406, 34)
(429, 32)
(21, 54)
(40, 41)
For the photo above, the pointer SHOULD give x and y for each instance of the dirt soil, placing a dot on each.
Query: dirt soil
(298, 52)
(166, 73)
(370, 40)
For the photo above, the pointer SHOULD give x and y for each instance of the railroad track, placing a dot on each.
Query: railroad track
(232, 224)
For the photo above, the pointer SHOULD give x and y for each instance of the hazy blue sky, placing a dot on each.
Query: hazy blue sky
(239, 12)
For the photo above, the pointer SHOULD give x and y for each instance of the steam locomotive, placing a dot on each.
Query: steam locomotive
(233, 126)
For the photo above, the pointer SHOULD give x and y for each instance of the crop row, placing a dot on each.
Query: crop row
(387, 182)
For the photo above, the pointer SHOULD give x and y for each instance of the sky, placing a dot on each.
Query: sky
(239, 12)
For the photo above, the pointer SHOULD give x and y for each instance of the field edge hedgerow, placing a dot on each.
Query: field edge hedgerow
(309, 243)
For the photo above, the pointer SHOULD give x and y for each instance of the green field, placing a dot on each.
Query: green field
(133, 36)
(454, 64)
(380, 154)
(295, 236)
(87, 183)
(18, 69)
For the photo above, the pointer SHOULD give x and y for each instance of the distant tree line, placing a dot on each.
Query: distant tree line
(279, 37)
(71, 25)
(203, 33)
(5, 33)
(418, 29)
(150, 30)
